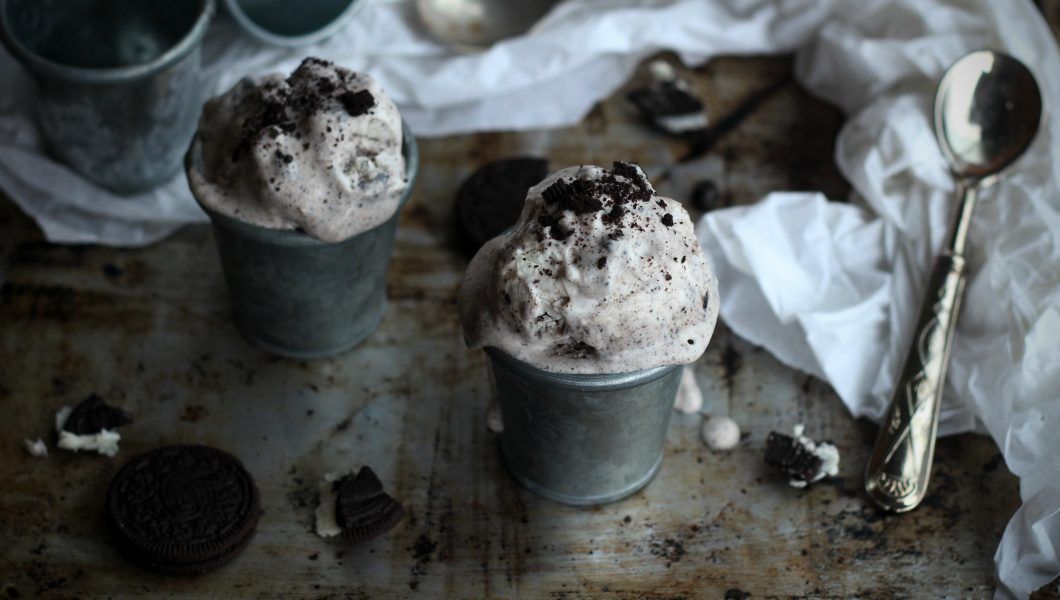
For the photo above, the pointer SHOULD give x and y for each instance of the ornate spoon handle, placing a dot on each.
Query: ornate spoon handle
(899, 468)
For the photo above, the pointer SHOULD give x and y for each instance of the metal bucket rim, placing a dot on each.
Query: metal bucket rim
(289, 41)
(287, 237)
(595, 382)
(40, 65)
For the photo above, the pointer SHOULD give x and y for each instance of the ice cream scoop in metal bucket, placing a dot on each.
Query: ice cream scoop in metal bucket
(582, 439)
(118, 89)
(297, 296)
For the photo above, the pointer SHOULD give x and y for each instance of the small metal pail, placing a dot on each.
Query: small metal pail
(582, 439)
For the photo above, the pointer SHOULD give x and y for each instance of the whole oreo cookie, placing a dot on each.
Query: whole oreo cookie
(183, 510)
(492, 198)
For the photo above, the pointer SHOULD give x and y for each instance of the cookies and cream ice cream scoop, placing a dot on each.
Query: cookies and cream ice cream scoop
(599, 275)
(318, 151)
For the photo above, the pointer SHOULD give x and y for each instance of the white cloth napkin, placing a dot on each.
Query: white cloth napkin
(833, 289)
(817, 283)
(550, 77)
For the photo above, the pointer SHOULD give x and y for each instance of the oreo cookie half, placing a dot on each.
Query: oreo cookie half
(183, 510)
(491, 199)
(794, 459)
(90, 426)
(362, 509)
(670, 107)
(93, 415)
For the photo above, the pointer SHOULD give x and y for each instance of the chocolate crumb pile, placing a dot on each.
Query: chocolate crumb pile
(303, 94)
(624, 184)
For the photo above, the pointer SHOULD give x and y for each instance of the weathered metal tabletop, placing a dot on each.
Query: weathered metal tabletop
(148, 329)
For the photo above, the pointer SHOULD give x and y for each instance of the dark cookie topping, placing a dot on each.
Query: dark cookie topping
(578, 196)
(304, 93)
(357, 103)
(622, 185)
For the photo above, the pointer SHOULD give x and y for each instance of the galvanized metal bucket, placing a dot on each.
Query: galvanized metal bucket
(582, 439)
(118, 82)
(297, 296)
(291, 24)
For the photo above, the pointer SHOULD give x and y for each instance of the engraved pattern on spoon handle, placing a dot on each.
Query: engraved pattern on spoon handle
(900, 465)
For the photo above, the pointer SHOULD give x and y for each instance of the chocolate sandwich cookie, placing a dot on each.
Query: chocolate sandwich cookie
(793, 458)
(491, 199)
(362, 509)
(93, 415)
(670, 107)
(183, 510)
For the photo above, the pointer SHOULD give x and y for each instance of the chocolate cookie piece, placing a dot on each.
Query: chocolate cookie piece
(670, 107)
(794, 459)
(362, 509)
(491, 199)
(93, 415)
(183, 510)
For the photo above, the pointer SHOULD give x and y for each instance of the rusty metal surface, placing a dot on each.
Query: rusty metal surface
(148, 329)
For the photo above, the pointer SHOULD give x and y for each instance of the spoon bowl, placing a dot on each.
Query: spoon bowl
(987, 111)
(476, 24)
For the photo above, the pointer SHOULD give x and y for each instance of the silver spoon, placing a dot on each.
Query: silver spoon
(476, 24)
(987, 111)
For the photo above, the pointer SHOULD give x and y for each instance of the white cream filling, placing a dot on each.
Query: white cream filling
(326, 524)
(105, 442)
(36, 447)
(828, 454)
(683, 123)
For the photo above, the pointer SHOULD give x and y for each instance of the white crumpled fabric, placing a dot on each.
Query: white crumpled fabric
(817, 283)
(578, 54)
(833, 289)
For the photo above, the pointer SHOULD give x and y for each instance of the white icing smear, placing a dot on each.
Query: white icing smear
(721, 433)
(326, 525)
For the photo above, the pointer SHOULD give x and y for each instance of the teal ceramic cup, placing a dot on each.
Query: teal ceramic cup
(118, 82)
(296, 296)
(582, 439)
